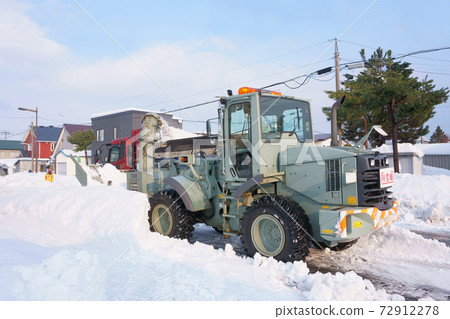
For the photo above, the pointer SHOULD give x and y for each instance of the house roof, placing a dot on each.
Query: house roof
(322, 136)
(76, 127)
(11, 145)
(48, 133)
(24, 153)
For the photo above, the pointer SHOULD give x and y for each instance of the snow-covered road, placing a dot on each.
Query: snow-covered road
(391, 272)
(61, 241)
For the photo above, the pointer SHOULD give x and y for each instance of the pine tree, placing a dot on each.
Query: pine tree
(82, 140)
(439, 136)
(385, 93)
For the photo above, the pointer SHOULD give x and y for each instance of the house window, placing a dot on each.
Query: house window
(52, 146)
(100, 135)
(114, 132)
(29, 147)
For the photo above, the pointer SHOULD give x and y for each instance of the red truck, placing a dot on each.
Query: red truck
(122, 152)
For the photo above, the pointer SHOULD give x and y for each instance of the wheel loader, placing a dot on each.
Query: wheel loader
(261, 177)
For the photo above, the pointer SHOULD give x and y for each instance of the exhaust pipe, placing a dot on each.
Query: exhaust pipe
(334, 140)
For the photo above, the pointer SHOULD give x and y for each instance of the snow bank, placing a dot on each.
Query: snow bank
(430, 170)
(61, 241)
(93, 243)
(64, 276)
(63, 213)
(424, 201)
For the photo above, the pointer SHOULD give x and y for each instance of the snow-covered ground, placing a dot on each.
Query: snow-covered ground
(61, 241)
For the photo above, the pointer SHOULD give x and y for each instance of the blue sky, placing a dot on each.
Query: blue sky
(53, 56)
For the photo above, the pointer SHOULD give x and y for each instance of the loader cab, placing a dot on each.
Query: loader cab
(257, 126)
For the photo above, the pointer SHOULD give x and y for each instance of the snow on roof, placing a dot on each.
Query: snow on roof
(174, 117)
(171, 133)
(402, 148)
(129, 109)
(9, 162)
(132, 109)
(70, 152)
(435, 149)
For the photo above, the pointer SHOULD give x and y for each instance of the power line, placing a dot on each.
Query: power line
(189, 107)
(408, 54)
(309, 76)
(211, 75)
(439, 73)
(305, 81)
(421, 52)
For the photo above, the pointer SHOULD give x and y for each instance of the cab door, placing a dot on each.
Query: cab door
(239, 137)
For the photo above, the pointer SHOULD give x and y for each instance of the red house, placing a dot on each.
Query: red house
(47, 136)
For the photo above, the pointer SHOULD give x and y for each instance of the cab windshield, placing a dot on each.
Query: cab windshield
(279, 115)
(116, 153)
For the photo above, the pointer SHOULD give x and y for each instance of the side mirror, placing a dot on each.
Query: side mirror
(208, 128)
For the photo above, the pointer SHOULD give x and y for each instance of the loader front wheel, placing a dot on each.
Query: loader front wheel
(275, 226)
(168, 215)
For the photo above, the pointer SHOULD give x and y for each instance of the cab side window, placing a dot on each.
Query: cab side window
(240, 137)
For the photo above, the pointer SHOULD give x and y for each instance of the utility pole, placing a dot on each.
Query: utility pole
(338, 81)
(5, 133)
(32, 148)
(32, 132)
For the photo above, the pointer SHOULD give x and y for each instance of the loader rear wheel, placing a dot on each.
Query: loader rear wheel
(168, 215)
(275, 226)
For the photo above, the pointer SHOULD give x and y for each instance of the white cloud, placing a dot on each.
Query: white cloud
(40, 71)
(224, 44)
(23, 39)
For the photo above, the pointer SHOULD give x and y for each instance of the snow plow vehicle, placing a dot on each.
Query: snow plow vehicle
(263, 178)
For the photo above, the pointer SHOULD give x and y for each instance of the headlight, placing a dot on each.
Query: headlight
(372, 162)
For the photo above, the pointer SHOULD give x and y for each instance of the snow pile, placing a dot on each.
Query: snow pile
(430, 170)
(171, 133)
(423, 200)
(63, 213)
(402, 148)
(106, 174)
(61, 241)
(64, 276)
(110, 174)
